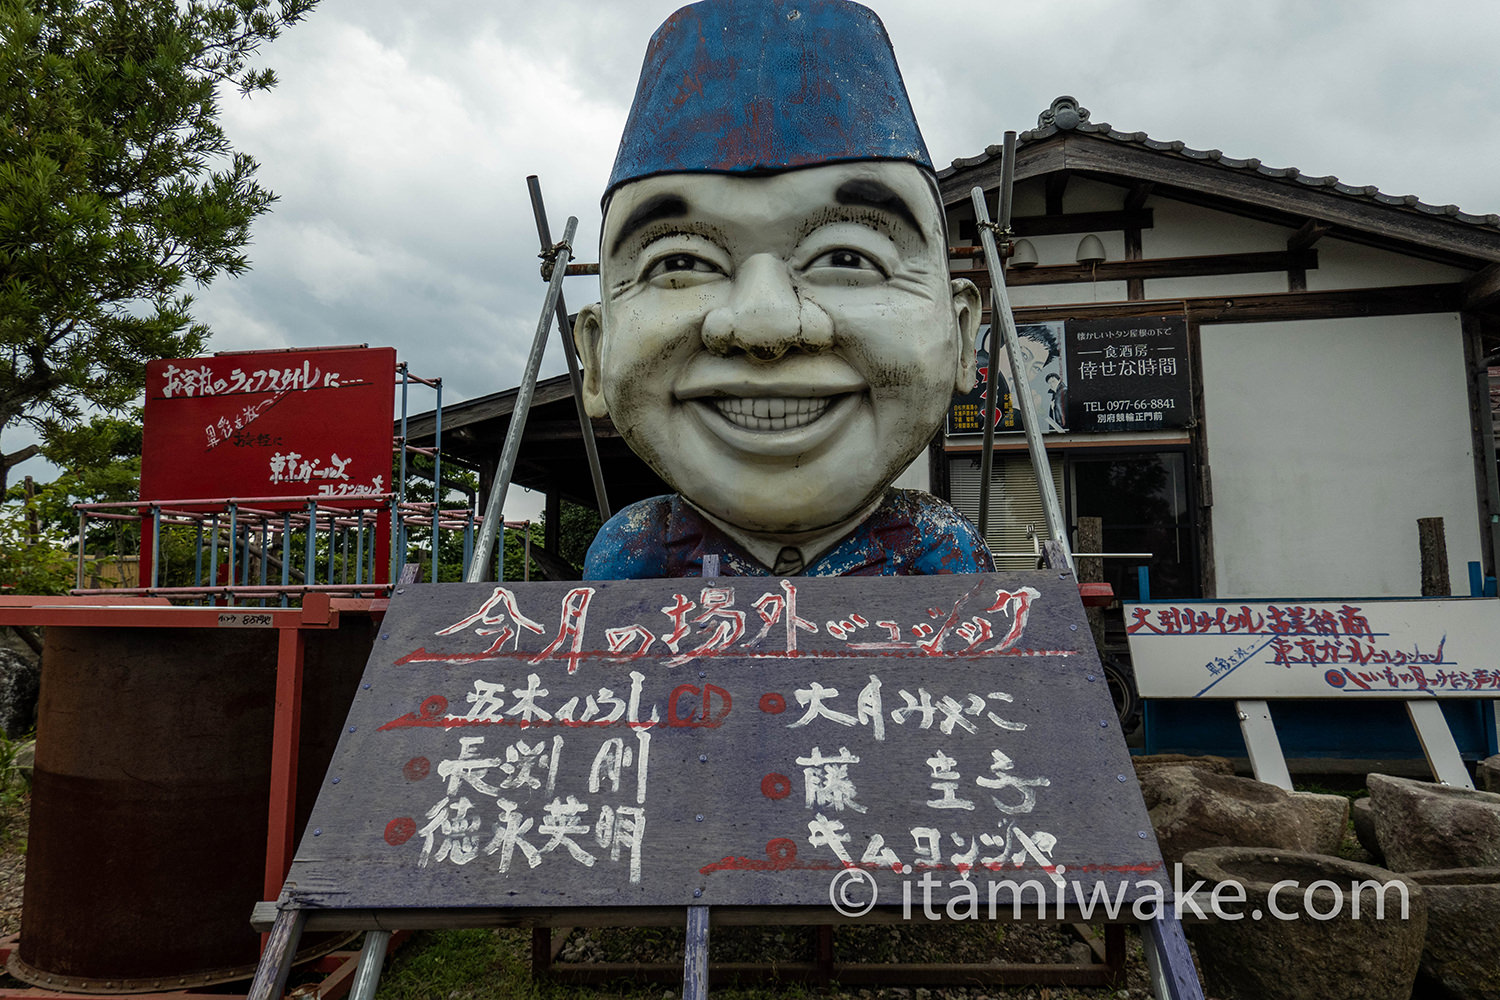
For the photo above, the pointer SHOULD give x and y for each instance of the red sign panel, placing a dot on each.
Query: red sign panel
(269, 424)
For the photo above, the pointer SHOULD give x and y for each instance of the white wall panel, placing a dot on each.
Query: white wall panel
(1327, 440)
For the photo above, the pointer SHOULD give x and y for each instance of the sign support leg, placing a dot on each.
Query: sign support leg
(276, 958)
(1173, 976)
(1437, 743)
(695, 957)
(285, 734)
(371, 958)
(1266, 759)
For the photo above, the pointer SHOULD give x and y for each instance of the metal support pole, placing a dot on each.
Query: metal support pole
(234, 541)
(371, 958)
(437, 473)
(991, 393)
(265, 547)
(398, 520)
(245, 556)
(310, 574)
(1000, 316)
(468, 536)
(265, 551)
(213, 552)
(585, 427)
(286, 555)
(359, 536)
(82, 524)
(198, 556)
(155, 545)
(374, 545)
(495, 503)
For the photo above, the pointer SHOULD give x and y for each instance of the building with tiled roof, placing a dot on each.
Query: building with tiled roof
(1260, 378)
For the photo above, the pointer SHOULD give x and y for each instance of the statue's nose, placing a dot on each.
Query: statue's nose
(765, 317)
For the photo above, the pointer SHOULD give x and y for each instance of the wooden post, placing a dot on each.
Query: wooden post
(1091, 570)
(285, 740)
(695, 955)
(1434, 548)
(276, 956)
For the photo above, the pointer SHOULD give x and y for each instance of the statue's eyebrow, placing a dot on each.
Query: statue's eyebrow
(663, 206)
(874, 194)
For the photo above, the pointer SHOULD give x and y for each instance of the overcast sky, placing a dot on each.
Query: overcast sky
(401, 134)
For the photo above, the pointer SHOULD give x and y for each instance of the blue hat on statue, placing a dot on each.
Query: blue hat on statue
(752, 86)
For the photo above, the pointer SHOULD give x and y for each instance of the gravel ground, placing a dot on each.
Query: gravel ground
(13, 865)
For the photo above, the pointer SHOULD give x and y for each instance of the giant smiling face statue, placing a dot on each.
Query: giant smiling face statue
(778, 347)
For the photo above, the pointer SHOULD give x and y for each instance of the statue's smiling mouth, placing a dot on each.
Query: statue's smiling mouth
(802, 403)
(772, 413)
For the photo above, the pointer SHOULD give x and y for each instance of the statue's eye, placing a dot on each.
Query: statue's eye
(845, 259)
(680, 267)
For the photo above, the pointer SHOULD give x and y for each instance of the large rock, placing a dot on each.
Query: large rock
(1463, 925)
(1426, 827)
(1363, 818)
(1489, 774)
(1152, 761)
(1333, 956)
(1192, 809)
(24, 760)
(20, 683)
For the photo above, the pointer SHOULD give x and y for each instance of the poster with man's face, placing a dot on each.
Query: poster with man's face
(1044, 363)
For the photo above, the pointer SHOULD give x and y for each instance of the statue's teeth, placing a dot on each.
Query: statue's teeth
(772, 413)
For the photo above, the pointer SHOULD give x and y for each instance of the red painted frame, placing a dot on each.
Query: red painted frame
(318, 611)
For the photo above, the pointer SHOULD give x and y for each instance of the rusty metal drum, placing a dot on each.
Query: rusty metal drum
(147, 843)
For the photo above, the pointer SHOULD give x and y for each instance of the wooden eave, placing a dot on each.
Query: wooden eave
(421, 427)
(1283, 201)
(551, 454)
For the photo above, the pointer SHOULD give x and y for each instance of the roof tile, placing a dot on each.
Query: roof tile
(1075, 118)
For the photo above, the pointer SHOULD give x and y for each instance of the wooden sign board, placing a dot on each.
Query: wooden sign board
(313, 422)
(1316, 649)
(741, 741)
(1128, 374)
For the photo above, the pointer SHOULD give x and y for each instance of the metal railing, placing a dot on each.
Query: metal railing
(278, 548)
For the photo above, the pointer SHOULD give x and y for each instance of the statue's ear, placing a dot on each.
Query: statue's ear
(588, 336)
(967, 305)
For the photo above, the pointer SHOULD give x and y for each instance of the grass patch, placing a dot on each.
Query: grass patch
(15, 787)
(470, 963)
(495, 964)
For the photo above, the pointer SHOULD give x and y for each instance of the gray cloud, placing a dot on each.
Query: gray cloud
(401, 135)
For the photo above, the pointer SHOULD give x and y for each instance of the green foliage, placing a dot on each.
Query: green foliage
(515, 551)
(34, 558)
(100, 463)
(460, 486)
(117, 186)
(15, 785)
(470, 962)
(578, 527)
(576, 532)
